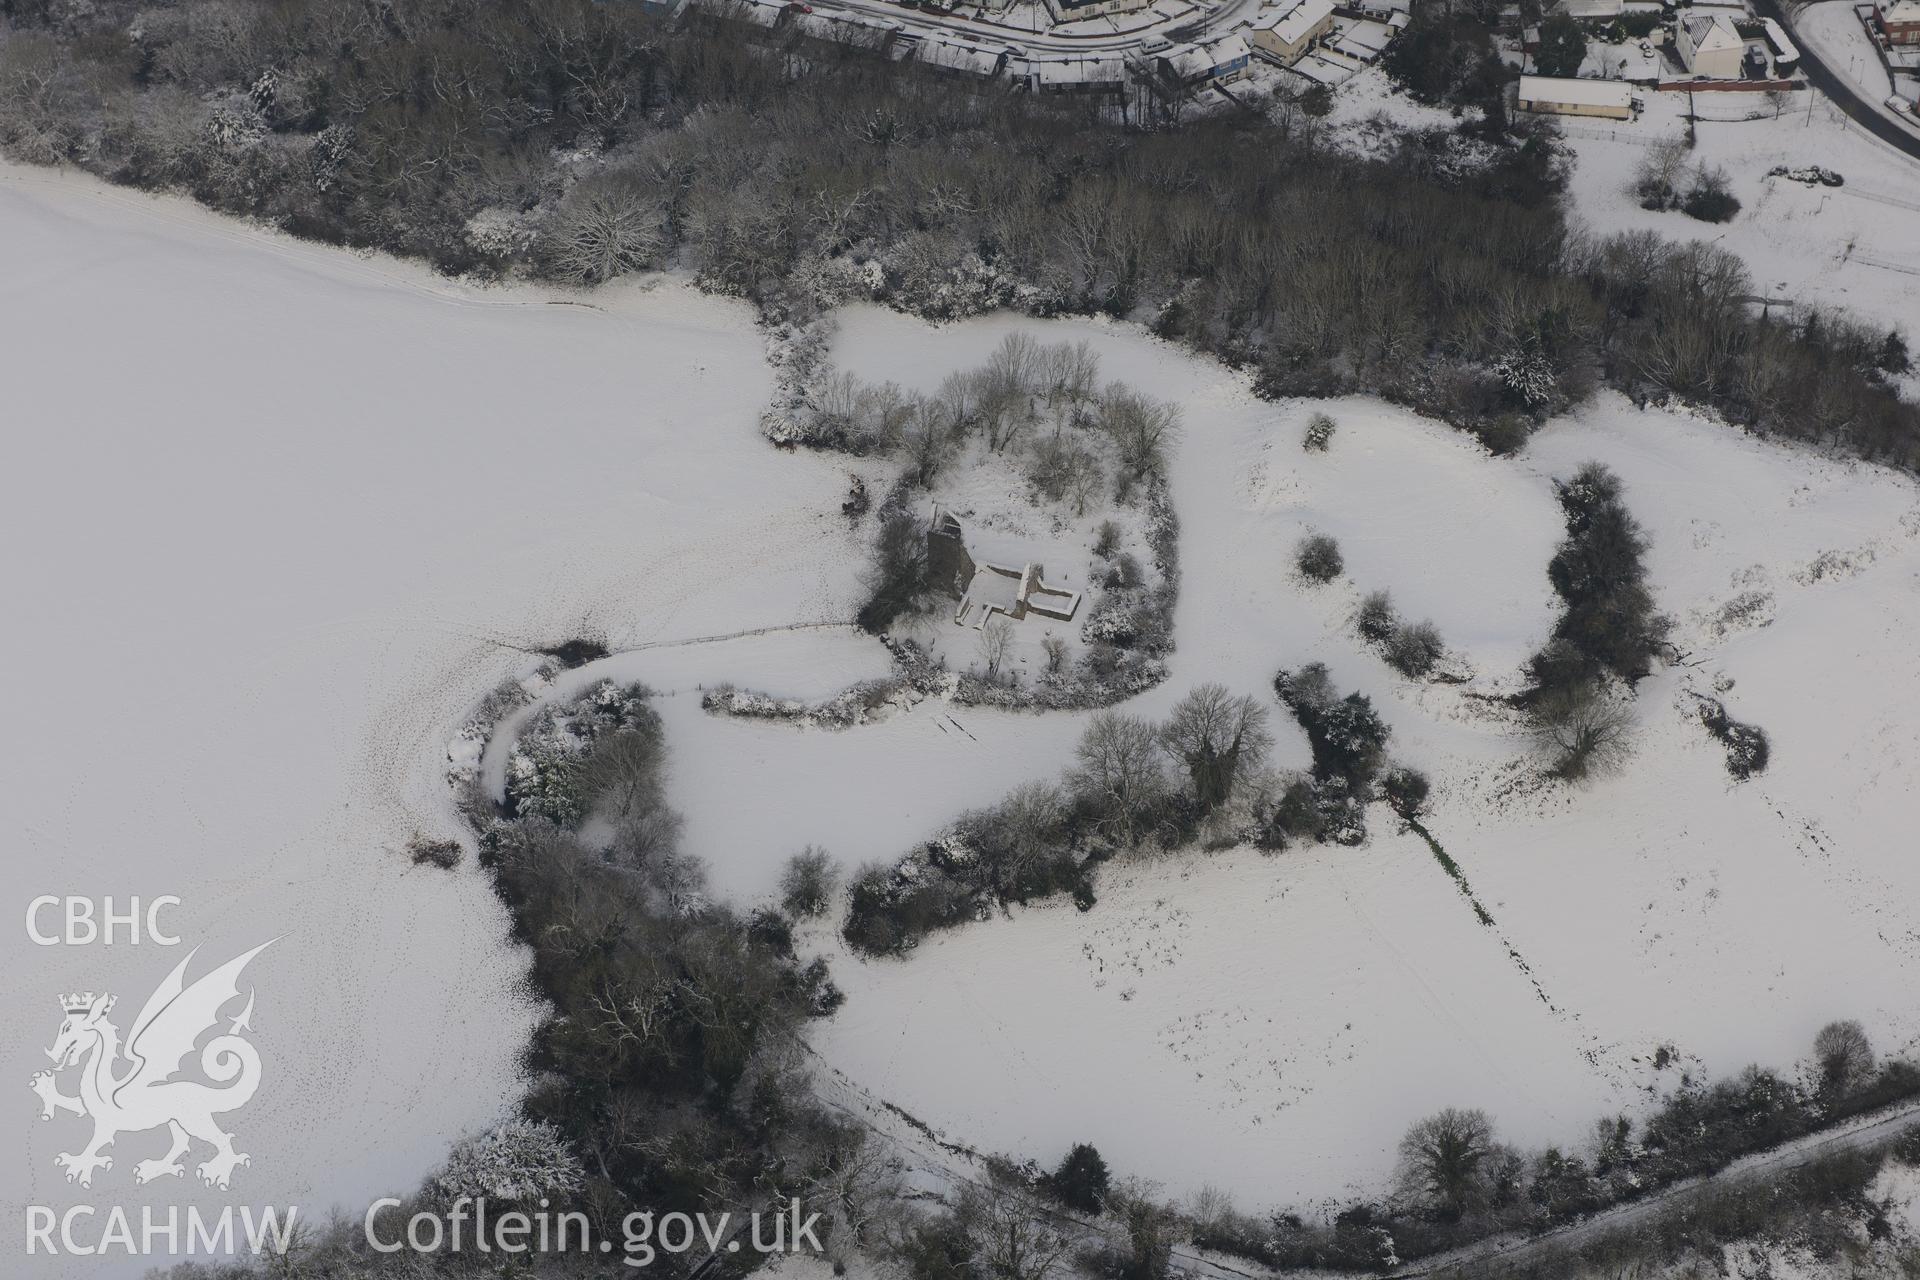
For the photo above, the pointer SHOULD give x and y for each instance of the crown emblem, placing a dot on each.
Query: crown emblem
(80, 1002)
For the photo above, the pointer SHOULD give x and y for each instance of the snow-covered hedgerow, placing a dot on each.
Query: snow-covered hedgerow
(463, 753)
(863, 703)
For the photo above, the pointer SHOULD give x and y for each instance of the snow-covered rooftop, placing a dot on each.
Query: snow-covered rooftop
(1197, 61)
(1292, 23)
(1584, 93)
(1713, 32)
(959, 55)
(1784, 48)
(1069, 71)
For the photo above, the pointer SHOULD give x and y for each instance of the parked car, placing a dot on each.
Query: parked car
(1897, 103)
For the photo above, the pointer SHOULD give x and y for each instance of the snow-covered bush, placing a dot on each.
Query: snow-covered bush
(501, 235)
(1320, 428)
(520, 1161)
(608, 225)
(1406, 790)
(234, 122)
(1528, 375)
(1376, 621)
(1414, 649)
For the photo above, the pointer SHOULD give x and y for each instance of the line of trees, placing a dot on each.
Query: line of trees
(668, 1058)
(1456, 1182)
(1133, 783)
(575, 140)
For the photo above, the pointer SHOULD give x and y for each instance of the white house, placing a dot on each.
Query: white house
(1710, 47)
(1284, 34)
(1561, 96)
(1073, 10)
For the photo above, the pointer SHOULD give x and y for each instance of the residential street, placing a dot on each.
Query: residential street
(1867, 115)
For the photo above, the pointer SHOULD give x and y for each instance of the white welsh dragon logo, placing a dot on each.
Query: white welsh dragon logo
(143, 1094)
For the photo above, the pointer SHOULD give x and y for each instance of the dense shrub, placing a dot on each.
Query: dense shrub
(1748, 750)
(428, 852)
(1318, 558)
(1020, 849)
(896, 576)
(1348, 740)
(1406, 790)
(1376, 622)
(1562, 47)
(890, 908)
(1081, 1180)
(1319, 433)
(1445, 55)
(1347, 736)
(1709, 199)
(1414, 649)
(1608, 633)
(1600, 575)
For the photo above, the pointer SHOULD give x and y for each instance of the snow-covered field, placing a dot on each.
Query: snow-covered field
(276, 517)
(1272, 1024)
(287, 513)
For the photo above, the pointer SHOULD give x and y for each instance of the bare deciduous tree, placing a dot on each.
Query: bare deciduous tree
(1444, 1159)
(1142, 428)
(622, 772)
(1842, 1058)
(1073, 371)
(996, 638)
(1584, 729)
(1218, 737)
(607, 227)
(1122, 770)
(927, 441)
(1011, 1232)
(1084, 478)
